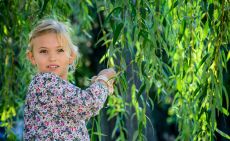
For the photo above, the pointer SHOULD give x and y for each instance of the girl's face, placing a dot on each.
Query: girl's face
(50, 56)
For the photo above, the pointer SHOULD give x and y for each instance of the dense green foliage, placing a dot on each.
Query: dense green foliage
(193, 37)
(178, 47)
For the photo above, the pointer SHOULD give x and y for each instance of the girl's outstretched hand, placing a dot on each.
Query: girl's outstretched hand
(109, 73)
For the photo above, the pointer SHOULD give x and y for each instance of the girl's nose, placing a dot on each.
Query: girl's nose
(52, 57)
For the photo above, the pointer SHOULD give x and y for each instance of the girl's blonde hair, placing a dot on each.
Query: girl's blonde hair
(61, 30)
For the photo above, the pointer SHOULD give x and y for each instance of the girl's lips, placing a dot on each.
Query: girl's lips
(52, 68)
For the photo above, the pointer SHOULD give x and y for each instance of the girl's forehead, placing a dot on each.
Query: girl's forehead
(49, 40)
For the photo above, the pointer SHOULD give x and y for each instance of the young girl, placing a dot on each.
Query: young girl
(54, 108)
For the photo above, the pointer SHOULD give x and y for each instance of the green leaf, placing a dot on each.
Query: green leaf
(204, 93)
(179, 86)
(135, 135)
(100, 9)
(112, 24)
(140, 91)
(202, 62)
(140, 126)
(205, 32)
(102, 38)
(106, 42)
(143, 65)
(228, 55)
(117, 32)
(133, 32)
(211, 10)
(100, 134)
(213, 116)
(226, 96)
(222, 133)
(151, 103)
(150, 123)
(89, 2)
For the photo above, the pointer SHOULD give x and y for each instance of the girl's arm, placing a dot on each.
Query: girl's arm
(68, 100)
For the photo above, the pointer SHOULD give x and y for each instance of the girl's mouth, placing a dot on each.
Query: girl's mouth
(53, 67)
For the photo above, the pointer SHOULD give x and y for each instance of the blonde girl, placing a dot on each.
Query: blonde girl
(54, 108)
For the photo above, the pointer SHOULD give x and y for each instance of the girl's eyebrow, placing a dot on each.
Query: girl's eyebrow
(56, 47)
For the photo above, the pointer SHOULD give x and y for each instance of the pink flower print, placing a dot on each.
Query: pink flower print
(53, 130)
(83, 137)
(48, 140)
(70, 136)
(33, 96)
(46, 123)
(60, 97)
(37, 119)
(55, 92)
(38, 90)
(71, 129)
(82, 106)
(35, 127)
(40, 85)
(98, 104)
(53, 80)
(29, 127)
(71, 91)
(80, 110)
(88, 97)
(58, 131)
(44, 107)
(80, 101)
(87, 113)
(46, 131)
(75, 130)
(57, 102)
(27, 134)
(61, 123)
(75, 102)
(29, 103)
(94, 88)
(97, 93)
(77, 123)
(64, 106)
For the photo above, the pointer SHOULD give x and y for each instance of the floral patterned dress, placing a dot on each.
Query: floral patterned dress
(57, 110)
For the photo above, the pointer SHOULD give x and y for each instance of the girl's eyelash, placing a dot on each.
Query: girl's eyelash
(61, 50)
(42, 51)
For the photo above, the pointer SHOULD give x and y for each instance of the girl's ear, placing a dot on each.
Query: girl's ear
(31, 58)
(73, 54)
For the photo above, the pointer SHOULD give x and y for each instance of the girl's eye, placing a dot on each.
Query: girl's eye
(60, 50)
(43, 51)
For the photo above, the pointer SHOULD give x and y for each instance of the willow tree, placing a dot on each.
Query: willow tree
(180, 47)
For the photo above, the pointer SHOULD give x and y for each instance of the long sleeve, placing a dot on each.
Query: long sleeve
(54, 108)
(68, 99)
